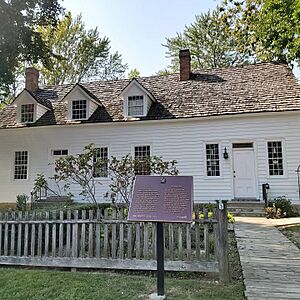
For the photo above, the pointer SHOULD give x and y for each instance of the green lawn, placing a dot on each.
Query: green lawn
(43, 284)
(292, 233)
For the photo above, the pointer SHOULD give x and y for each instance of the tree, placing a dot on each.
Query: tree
(80, 169)
(78, 54)
(123, 172)
(267, 30)
(19, 39)
(209, 44)
(134, 73)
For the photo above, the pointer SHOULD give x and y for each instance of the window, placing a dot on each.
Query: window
(212, 160)
(135, 105)
(101, 169)
(141, 153)
(21, 165)
(275, 158)
(27, 113)
(79, 109)
(60, 152)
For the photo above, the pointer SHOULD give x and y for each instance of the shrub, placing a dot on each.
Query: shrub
(21, 202)
(285, 206)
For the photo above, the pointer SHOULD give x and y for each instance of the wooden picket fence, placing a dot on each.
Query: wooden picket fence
(105, 239)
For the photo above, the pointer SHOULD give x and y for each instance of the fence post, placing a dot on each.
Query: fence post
(222, 243)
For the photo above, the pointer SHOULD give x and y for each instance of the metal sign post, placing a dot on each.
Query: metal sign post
(160, 249)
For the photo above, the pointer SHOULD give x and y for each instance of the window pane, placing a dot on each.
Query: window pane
(79, 109)
(275, 158)
(212, 160)
(135, 105)
(27, 113)
(140, 154)
(21, 165)
(101, 162)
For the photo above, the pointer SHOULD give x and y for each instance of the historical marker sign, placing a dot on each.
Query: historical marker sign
(162, 199)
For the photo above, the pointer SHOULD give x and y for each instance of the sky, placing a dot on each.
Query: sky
(138, 28)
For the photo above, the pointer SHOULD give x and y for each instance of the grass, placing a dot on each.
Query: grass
(26, 284)
(292, 233)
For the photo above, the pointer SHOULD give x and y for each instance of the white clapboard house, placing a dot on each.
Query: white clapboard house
(233, 129)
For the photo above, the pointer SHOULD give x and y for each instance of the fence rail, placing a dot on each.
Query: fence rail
(105, 239)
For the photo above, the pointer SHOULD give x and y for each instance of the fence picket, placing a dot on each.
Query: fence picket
(121, 234)
(54, 235)
(68, 244)
(105, 234)
(19, 242)
(91, 235)
(82, 238)
(26, 236)
(40, 238)
(114, 235)
(171, 241)
(137, 241)
(206, 234)
(75, 235)
(12, 235)
(32, 240)
(46, 252)
(61, 235)
(154, 240)
(180, 252)
(188, 242)
(146, 240)
(197, 234)
(129, 240)
(98, 235)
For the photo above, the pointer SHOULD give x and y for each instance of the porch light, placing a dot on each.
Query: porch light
(225, 153)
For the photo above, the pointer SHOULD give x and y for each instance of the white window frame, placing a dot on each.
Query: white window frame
(71, 109)
(284, 161)
(140, 145)
(14, 165)
(34, 113)
(102, 177)
(205, 159)
(143, 105)
(59, 149)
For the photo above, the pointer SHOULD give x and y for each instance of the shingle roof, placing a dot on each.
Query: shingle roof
(265, 87)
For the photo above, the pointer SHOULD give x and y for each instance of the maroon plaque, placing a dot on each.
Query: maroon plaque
(162, 199)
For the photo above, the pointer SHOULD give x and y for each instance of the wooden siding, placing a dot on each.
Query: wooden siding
(183, 140)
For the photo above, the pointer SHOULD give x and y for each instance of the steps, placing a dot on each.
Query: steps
(51, 201)
(246, 208)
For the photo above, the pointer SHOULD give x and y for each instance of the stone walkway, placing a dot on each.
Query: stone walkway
(270, 262)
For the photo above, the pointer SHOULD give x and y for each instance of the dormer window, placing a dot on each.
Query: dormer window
(135, 105)
(27, 113)
(79, 109)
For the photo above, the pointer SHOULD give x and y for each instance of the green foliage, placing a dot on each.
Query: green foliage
(134, 73)
(123, 172)
(285, 206)
(267, 30)
(78, 54)
(210, 45)
(80, 169)
(19, 39)
(21, 202)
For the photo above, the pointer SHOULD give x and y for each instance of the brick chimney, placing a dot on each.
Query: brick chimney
(185, 64)
(31, 79)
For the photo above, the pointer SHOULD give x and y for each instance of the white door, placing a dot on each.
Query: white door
(244, 173)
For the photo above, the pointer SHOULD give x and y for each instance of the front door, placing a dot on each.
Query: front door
(244, 173)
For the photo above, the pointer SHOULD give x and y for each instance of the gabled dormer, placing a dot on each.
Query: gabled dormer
(137, 100)
(29, 109)
(81, 103)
